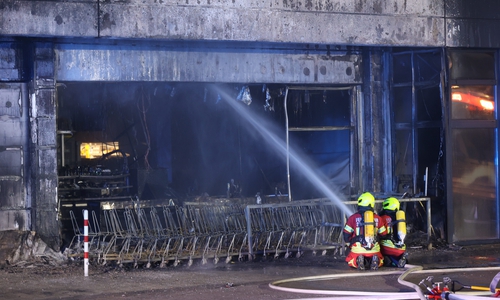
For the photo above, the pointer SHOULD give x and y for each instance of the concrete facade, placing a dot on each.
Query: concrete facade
(274, 41)
(359, 22)
(429, 23)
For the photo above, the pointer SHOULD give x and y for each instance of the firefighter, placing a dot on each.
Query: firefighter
(362, 231)
(392, 244)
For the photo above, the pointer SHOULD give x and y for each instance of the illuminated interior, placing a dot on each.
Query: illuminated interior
(97, 150)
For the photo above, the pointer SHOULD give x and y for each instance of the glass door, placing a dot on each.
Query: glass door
(473, 209)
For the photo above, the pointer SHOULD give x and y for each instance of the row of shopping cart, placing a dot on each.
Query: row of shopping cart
(161, 235)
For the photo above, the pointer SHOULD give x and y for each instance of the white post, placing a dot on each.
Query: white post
(86, 242)
(426, 179)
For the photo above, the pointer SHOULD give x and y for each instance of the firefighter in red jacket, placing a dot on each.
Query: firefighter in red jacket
(362, 231)
(393, 246)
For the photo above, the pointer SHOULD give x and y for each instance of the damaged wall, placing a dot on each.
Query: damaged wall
(49, 18)
(375, 159)
(197, 62)
(341, 22)
(375, 22)
(14, 207)
(15, 203)
(44, 147)
(28, 140)
(472, 23)
(433, 23)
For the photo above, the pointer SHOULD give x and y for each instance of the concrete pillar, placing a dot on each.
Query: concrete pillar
(376, 151)
(44, 146)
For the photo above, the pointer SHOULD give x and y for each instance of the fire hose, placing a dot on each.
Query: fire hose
(435, 291)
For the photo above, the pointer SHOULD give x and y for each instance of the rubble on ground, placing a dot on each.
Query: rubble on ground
(26, 248)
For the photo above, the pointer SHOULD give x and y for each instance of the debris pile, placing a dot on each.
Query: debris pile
(25, 248)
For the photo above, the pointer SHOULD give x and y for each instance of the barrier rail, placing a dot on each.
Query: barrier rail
(163, 234)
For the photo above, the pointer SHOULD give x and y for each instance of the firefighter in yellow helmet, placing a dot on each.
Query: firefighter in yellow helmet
(393, 246)
(362, 231)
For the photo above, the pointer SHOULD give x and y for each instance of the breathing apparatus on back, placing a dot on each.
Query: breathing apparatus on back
(366, 203)
(391, 204)
(401, 219)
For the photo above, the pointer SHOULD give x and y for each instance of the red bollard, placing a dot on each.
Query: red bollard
(85, 243)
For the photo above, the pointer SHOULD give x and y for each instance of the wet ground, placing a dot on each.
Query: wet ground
(240, 280)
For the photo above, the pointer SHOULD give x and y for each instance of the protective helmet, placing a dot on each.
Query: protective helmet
(366, 199)
(391, 203)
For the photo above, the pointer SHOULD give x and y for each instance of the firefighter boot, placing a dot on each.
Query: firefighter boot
(402, 260)
(375, 262)
(360, 261)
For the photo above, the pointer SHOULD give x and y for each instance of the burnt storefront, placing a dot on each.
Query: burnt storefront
(126, 102)
(176, 135)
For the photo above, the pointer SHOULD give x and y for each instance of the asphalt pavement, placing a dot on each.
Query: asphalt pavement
(320, 275)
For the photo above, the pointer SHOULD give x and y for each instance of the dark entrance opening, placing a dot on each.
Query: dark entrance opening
(177, 142)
